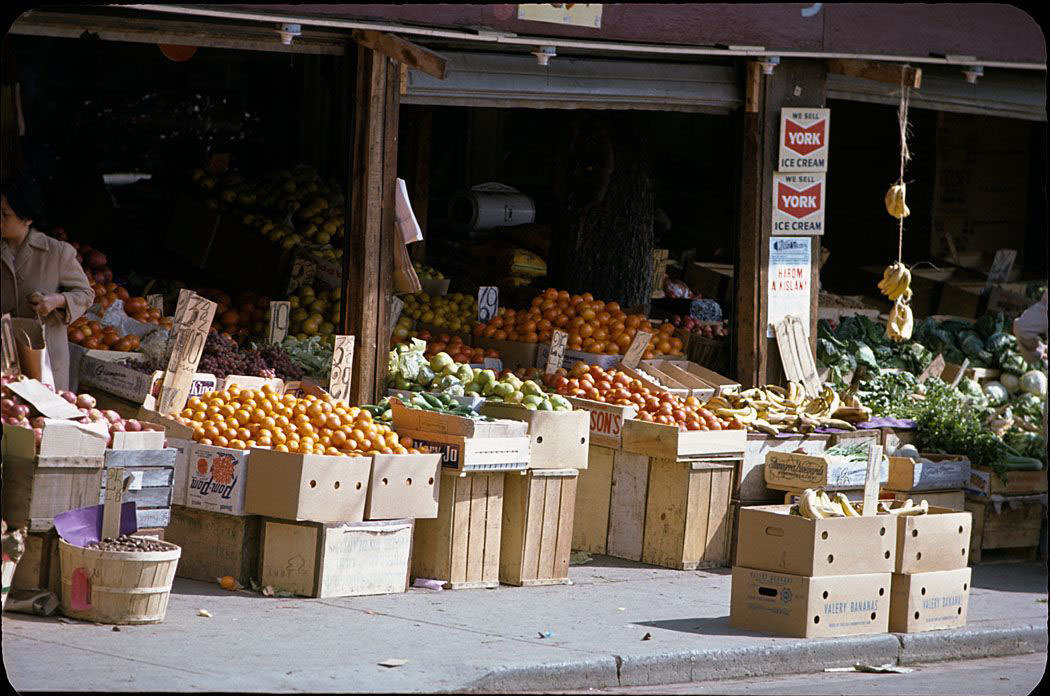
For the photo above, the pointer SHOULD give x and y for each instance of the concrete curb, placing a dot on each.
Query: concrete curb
(801, 657)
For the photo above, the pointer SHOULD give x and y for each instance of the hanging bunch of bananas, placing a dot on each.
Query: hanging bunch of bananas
(816, 505)
(895, 204)
(895, 284)
(772, 409)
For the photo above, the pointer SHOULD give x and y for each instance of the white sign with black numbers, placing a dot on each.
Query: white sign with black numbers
(488, 302)
(559, 339)
(342, 368)
(279, 312)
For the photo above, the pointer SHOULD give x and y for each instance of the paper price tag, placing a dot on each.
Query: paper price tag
(342, 368)
(111, 502)
(559, 339)
(192, 319)
(871, 482)
(396, 307)
(488, 302)
(636, 349)
(279, 312)
(9, 362)
(934, 369)
(156, 302)
(303, 272)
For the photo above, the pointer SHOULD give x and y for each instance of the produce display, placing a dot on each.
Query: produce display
(313, 356)
(313, 312)
(454, 346)
(654, 406)
(126, 543)
(453, 312)
(243, 418)
(772, 409)
(987, 343)
(701, 328)
(239, 318)
(425, 272)
(15, 411)
(408, 369)
(93, 335)
(817, 505)
(593, 326)
(858, 340)
(441, 403)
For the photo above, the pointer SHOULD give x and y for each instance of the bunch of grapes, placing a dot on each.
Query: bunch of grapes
(221, 357)
(281, 363)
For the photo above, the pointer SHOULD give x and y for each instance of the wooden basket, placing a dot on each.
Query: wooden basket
(123, 587)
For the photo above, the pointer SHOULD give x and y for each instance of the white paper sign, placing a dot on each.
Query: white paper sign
(790, 268)
(804, 137)
(798, 203)
(488, 302)
(405, 217)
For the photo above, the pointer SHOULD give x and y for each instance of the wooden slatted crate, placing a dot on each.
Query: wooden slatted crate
(461, 546)
(537, 527)
(590, 524)
(1009, 534)
(215, 545)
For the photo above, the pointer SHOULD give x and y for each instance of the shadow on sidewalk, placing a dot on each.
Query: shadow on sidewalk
(1012, 577)
(183, 586)
(707, 626)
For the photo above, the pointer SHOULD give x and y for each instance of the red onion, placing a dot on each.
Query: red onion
(116, 428)
(22, 410)
(38, 435)
(86, 401)
(94, 414)
(7, 406)
(111, 416)
(37, 422)
(132, 426)
(68, 396)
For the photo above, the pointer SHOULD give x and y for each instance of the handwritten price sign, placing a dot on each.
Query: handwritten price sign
(279, 312)
(156, 302)
(342, 368)
(192, 319)
(636, 349)
(559, 339)
(303, 272)
(488, 302)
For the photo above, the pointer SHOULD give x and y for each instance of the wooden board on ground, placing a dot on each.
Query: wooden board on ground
(461, 546)
(590, 526)
(536, 537)
(1015, 526)
(215, 545)
(687, 514)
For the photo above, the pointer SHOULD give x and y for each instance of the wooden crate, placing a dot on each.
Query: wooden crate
(668, 442)
(323, 559)
(461, 546)
(536, 536)
(153, 477)
(215, 544)
(35, 490)
(627, 495)
(687, 514)
(749, 483)
(590, 524)
(38, 568)
(1012, 533)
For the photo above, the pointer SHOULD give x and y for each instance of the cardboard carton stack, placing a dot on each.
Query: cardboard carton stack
(812, 578)
(931, 581)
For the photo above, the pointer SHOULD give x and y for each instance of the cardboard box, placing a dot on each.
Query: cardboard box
(514, 354)
(559, 439)
(447, 424)
(785, 543)
(938, 540)
(929, 601)
(474, 453)
(606, 425)
(895, 438)
(749, 485)
(217, 479)
(953, 499)
(103, 370)
(809, 607)
(906, 474)
(313, 559)
(403, 486)
(571, 357)
(795, 472)
(306, 487)
(985, 482)
(960, 299)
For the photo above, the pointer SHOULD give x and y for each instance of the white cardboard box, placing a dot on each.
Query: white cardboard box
(929, 601)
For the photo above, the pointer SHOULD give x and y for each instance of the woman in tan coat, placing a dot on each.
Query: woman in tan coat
(39, 275)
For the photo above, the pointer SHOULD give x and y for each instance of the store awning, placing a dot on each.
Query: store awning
(517, 80)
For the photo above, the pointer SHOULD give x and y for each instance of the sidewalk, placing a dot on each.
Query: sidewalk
(488, 640)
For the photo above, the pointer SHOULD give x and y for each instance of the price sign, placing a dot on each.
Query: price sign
(193, 316)
(871, 482)
(156, 302)
(342, 368)
(961, 373)
(1001, 266)
(636, 349)
(279, 312)
(9, 356)
(396, 306)
(934, 369)
(303, 272)
(111, 502)
(559, 339)
(488, 302)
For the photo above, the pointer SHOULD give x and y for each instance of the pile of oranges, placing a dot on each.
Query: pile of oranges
(593, 326)
(94, 336)
(456, 348)
(654, 406)
(244, 418)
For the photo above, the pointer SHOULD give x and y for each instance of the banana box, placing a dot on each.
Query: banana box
(938, 540)
(929, 601)
(809, 607)
(770, 538)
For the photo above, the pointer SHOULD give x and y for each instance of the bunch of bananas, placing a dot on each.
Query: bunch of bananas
(895, 284)
(816, 505)
(895, 204)
(908, 508)
(900, 322)
(772, 409)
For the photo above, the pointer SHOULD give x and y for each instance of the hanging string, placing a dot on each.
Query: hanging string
(902, 120)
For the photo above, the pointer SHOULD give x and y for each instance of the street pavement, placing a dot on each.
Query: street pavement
(486, 640)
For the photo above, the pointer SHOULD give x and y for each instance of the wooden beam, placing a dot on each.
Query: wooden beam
(747, 275)
(412, 55)
(878, 71)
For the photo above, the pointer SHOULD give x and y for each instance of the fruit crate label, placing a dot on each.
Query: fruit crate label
(156, 302)
(9, 356)
(302, 274)
(192, 319)
(342, 368)
(798, 203)
(488, 302)
(636, 349)
(804, 134)
(279, 312)
(934, 369)
(559, 339)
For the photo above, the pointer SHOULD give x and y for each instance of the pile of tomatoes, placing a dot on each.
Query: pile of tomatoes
(593, 326)
(244, 418)
(654, 405)
(455, 347)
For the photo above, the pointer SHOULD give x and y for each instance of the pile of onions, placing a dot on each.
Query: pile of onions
(94, 336)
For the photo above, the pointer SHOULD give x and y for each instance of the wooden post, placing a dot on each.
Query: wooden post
(368, 259)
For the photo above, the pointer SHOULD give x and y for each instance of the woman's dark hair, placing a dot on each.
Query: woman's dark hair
(25, 198)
